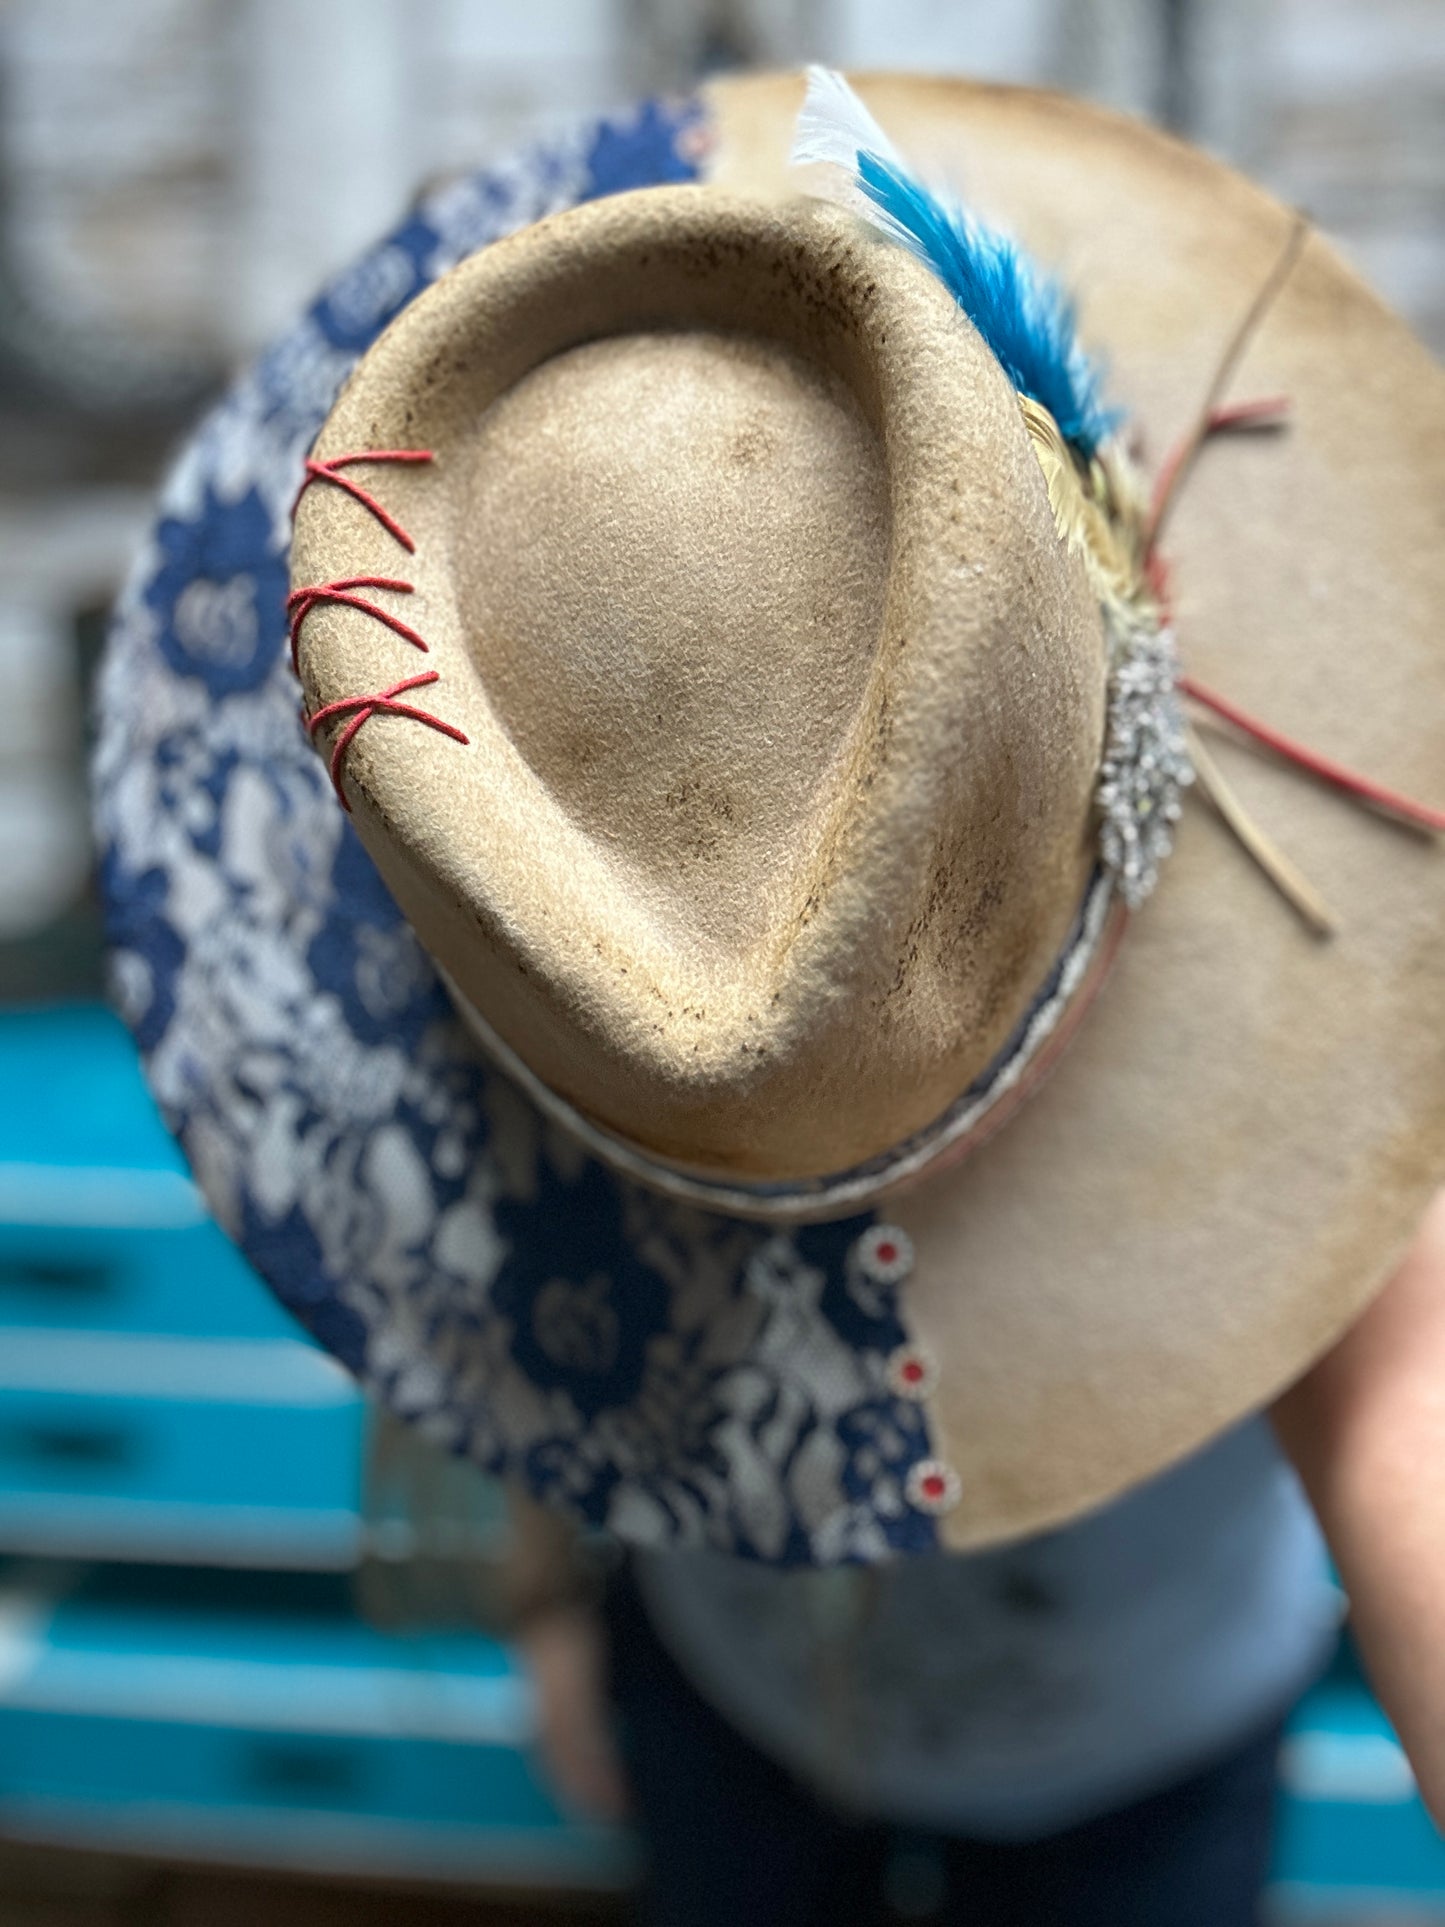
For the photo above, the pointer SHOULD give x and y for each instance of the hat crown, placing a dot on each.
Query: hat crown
(680, 547)
(783, 697)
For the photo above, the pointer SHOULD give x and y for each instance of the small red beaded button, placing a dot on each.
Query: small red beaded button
(933, 1486)
(885, 1254)
(912, 1372)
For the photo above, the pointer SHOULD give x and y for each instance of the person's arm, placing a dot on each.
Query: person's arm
(556, 1624)
(1366, 1431)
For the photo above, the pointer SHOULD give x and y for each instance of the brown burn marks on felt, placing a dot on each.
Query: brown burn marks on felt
(963, 917)
(753, 444)
(830, 286)
(577, 748)
(704, 816)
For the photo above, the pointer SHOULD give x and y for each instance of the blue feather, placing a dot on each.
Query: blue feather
(1022, 313)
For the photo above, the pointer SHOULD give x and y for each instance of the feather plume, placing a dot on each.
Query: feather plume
(1023, 314)
(1099, 513)
(834, 127)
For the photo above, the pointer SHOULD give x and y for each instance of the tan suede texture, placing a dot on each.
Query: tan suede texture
(1237, 1146)
(783, 700)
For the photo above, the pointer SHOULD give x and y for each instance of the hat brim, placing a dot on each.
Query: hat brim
(1234, 1153)
(1207, 1191)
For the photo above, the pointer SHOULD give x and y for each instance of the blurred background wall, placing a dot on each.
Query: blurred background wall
(177, 176)
(182, 171)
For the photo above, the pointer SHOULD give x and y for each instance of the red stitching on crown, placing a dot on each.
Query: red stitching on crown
(327, 471)
(301, 602)
(361, 709)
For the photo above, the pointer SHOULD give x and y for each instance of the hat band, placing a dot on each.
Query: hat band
(1037, 1042)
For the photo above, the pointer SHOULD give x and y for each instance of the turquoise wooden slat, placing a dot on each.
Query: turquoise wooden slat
(270, 1726)
(183, 1279)
(100, 1224)
(172, 1449)
(155, 1401)
(75, 1093)
(252, 1717)
(1354, 1837)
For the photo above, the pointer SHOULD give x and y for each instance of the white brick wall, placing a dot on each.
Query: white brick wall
(1352, 128)
(114, 142)
(182, 174)
(176, 166)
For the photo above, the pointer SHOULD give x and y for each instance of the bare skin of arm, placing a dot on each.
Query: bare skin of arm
(1366, 1431)
(559, 1632)
(565, 1652)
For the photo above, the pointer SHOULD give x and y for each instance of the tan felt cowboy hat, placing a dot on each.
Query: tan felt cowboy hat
(799, 733)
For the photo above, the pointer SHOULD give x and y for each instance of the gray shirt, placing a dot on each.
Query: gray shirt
(1015, 1692)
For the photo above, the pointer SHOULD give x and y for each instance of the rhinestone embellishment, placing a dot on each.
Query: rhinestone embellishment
(885, 1254)
(933, 1487)
(912, 1372)
(1146, 766)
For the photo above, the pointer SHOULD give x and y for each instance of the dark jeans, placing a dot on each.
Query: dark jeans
(734, 1839)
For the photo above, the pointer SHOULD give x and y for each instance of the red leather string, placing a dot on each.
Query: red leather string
(361, 709)
(1420, 815)
(329, 471)
(301, 602)
(1269, 412)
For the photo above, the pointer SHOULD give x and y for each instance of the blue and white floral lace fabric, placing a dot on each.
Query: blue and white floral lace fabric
(673, 1376)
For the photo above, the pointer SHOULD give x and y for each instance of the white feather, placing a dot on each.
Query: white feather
(834, 124)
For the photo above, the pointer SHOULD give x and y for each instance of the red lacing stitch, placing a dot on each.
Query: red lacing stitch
(328, 471)
(361, 709)
(301, 602)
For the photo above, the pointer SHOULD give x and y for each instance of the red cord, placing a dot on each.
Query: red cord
(1269, 411)
(328, 471)
(361, 709)
(301, 602)
(1324, 767)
